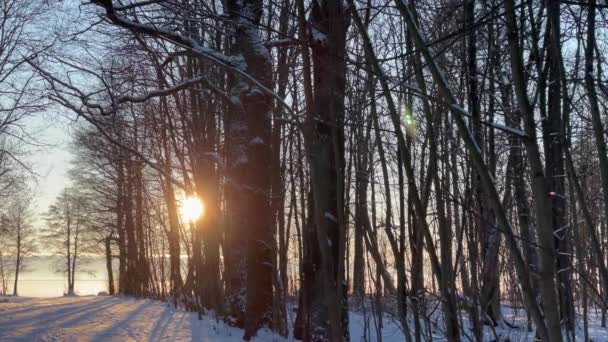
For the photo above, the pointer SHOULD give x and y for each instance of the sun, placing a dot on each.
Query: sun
(191, 209)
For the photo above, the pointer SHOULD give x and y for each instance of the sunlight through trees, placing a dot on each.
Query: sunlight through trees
(439, 163)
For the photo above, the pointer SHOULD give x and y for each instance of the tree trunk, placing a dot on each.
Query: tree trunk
(554, 165)
(251, 162)
(18, 256)
(326, 314)
(108, 244)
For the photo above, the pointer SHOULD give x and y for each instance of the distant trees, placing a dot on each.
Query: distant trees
(6, 262)
(24, 235)
(68, 224)
(17, 238)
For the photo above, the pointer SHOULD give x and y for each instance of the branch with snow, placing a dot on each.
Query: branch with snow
(506, 129)
(233, 62)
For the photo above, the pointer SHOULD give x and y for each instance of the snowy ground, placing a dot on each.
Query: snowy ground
(126, 319)
(109, 319)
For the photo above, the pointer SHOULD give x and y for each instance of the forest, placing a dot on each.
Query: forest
(281, 163)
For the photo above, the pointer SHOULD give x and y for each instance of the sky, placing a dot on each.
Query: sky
(50, 162)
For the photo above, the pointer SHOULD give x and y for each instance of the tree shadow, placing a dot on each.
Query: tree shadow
(45, 320)
(31, 308)
(106, 335)
(166, 319)
(161, 325)
(90, 313)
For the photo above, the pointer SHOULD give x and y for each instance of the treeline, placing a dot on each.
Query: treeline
(420, 153)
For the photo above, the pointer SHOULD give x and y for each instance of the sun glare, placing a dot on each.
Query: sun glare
(191, 209)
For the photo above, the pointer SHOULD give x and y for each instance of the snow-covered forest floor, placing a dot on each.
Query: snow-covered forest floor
(109, 319)
(127, 319)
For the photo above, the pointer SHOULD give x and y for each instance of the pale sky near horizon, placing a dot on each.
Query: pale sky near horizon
(50, 162)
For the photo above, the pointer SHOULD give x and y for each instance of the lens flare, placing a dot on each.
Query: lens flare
(410, 122)
(191, 209)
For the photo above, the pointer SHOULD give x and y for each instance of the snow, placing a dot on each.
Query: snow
(318, 37)
(512, 328)
(169, 33)
(330, 216)
(281, 42)
(215, 157)
(256, 141)
(507, 129)
(111, 318)
(241, 159)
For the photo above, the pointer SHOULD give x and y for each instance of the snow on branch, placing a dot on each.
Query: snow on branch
(282, 42)
(511, 130)
(233, 62)
(66, 88)
(160, 92)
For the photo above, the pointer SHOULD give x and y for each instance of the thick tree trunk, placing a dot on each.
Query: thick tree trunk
(108, 245)
(143, 271)
(251, 163)
(122, 264)
(326, 317)
(131, 243)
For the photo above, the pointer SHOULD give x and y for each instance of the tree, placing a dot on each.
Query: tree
(66, 231)
(18, 98)
(17, 235)
(22, 231)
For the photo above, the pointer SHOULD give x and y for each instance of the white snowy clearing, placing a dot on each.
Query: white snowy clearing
(126, 319)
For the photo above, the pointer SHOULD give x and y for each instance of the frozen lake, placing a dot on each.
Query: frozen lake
(41, 279)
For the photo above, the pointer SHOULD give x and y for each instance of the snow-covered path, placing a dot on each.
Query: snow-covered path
(109, 319)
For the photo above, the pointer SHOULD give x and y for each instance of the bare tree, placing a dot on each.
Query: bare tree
(66, 229)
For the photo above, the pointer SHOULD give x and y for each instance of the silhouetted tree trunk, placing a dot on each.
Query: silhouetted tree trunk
(553, 130)
(109, 269)
(326, 311)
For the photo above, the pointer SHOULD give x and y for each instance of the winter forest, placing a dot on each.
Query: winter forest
(315, 170)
